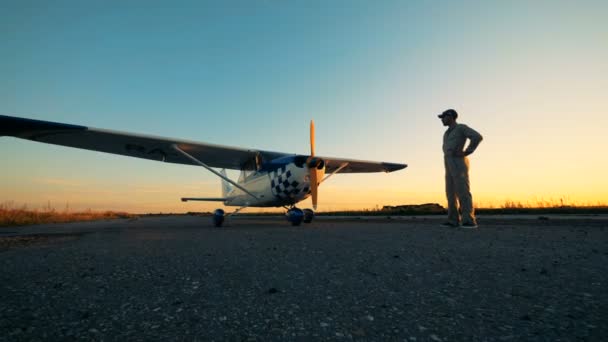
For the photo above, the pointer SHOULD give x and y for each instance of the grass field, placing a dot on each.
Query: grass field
(508, 208)
(13, 216)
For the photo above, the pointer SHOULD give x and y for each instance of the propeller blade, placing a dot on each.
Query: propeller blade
(314, 186)
(313, 164)
(312, 138)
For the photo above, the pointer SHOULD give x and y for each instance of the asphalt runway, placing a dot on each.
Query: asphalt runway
(177, 278)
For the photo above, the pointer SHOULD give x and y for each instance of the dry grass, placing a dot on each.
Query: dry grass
(13, 216)
(551, 206)
(542, 203)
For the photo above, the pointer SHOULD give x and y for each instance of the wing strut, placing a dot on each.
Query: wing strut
(176, 148)
(343, 165)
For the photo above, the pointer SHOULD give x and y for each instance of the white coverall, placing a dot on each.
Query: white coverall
(457, 187)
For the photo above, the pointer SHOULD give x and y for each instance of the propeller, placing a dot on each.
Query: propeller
(316, 167)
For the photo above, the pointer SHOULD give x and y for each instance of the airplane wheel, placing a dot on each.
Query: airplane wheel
(295, 216)
(218, 217)
(308, 215)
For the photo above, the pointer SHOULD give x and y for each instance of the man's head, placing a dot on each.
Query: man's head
(448, 117)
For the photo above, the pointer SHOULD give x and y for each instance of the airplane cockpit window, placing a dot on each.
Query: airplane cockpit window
(250, 167)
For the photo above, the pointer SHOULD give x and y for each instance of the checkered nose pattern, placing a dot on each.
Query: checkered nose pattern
(285, 184)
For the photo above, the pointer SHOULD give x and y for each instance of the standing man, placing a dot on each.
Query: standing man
(456, 164)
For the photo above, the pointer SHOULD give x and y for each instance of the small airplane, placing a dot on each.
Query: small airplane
(267, 179)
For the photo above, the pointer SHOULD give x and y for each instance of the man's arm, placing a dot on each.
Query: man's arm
(474, 137)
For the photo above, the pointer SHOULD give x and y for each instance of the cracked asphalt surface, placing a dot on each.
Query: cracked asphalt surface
(177, 278)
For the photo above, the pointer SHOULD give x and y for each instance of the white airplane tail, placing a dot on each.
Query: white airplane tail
(226, 187)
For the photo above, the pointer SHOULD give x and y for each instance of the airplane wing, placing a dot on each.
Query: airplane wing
(160, 148)
(130, 144)
(359, 166)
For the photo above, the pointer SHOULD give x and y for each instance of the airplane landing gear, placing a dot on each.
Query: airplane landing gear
(308, 215)
(218, 217)
(295, 216)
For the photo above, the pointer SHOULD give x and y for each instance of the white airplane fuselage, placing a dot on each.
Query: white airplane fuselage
(275, 185)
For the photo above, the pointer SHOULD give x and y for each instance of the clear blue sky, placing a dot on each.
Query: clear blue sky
(531, 76)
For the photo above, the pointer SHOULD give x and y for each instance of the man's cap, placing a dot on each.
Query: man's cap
(449, 112)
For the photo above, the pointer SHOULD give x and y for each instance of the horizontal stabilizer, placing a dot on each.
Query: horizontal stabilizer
(212, 199)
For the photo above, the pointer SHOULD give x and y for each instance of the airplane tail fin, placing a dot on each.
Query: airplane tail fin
(226, 187)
